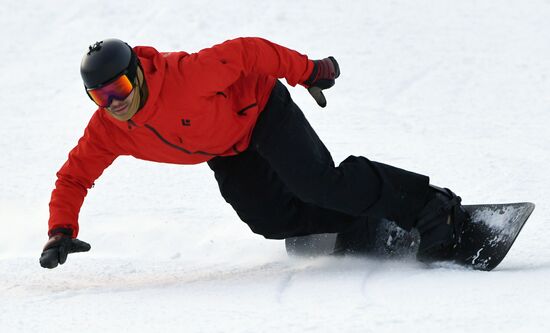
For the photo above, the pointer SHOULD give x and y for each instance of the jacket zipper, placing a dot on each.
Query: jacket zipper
(158, 135)
(152, 129)
(242, 112)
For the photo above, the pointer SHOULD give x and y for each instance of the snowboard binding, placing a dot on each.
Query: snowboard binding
(440, 225)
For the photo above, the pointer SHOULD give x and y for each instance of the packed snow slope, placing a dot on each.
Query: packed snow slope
(458, 90)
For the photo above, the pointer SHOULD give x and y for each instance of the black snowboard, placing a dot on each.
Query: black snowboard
(484, 242)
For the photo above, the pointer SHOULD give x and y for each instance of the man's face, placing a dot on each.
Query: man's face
(125, 109)
(120, 109)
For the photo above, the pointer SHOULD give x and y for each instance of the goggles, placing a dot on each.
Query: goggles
(118, 89)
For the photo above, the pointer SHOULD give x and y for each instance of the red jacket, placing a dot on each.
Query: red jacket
(200, 105)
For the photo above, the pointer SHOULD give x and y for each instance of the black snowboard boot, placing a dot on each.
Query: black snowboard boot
(440, 225)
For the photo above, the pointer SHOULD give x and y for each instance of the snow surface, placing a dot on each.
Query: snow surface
(458, 90)
(501, 221)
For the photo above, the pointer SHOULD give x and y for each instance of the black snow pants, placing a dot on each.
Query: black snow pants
(286, 184)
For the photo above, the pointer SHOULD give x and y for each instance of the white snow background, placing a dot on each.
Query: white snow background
(458, 90)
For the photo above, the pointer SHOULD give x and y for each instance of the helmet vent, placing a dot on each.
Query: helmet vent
(95, 47)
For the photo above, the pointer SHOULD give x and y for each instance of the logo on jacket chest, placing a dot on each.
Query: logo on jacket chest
(186, 122)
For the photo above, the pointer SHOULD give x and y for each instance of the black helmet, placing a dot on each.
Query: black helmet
(106, 60)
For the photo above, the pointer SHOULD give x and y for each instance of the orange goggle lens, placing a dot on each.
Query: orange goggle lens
(118, 89)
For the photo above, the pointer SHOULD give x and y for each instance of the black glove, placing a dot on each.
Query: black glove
(58, 247)
(325, 71)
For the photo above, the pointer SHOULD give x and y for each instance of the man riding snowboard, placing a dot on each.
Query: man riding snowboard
(225, 106)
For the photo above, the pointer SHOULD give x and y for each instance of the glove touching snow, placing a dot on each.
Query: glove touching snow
(58, 248)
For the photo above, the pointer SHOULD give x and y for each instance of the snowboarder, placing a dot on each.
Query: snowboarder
(225, 106)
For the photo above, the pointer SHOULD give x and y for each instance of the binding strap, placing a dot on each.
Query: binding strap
(429, 220)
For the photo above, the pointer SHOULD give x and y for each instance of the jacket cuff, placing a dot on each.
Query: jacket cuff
(308, 74)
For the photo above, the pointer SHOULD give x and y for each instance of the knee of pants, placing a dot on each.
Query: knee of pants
(312, 186)
(350, 188)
